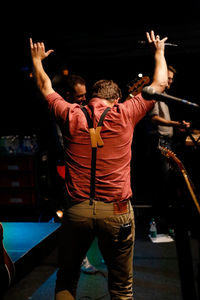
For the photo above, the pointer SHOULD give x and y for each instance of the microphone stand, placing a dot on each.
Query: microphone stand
(183, 241)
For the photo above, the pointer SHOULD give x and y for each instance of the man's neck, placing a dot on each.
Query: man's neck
(110, 103)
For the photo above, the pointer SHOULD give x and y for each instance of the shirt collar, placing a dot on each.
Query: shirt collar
(96, 103)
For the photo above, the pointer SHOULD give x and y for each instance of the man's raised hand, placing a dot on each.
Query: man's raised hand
(155, 40)
(38, 50)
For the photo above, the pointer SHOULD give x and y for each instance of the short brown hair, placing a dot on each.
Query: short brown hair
(106, 89)
(172, 69)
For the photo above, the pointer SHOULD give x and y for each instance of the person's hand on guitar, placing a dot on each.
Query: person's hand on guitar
(184, 126)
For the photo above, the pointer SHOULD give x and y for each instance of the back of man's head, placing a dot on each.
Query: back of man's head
(106, 89)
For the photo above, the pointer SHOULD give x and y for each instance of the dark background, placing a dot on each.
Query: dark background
(96, 42)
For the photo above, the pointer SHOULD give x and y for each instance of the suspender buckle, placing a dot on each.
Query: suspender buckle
(96, 140)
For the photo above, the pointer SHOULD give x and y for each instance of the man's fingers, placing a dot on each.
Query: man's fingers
(152, 36)
(164, 40)
(49, 52)
(31, 43)
(148, 37)
(40, 48)
(36, 45)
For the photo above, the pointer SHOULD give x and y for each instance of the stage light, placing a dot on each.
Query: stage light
(65, 72)
(59, 213)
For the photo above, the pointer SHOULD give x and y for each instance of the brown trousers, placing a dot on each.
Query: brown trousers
(114, 227)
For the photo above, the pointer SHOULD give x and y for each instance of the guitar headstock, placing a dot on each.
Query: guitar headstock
(136, 85)
(170, 154)
(166, 152)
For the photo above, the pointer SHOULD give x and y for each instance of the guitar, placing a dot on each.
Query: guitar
(136, 85)
(171, 155)
(7, 269)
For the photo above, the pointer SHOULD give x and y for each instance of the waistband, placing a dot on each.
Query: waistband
(101, 209)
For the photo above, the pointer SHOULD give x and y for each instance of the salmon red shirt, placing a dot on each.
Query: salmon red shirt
(113, 159)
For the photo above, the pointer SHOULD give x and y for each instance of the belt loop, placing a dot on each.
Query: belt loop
(94, 207)
(91, 201)
(129, 206)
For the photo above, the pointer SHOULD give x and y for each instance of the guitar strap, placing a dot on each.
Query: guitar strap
(96, 141)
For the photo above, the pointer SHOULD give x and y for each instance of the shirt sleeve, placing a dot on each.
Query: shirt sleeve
(59, 106)
(138, 107)
(154, 111)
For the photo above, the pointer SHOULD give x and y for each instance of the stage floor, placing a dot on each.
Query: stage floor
(156, 276)
(156, 273)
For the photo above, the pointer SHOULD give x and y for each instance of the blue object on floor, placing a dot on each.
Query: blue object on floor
(20, 237)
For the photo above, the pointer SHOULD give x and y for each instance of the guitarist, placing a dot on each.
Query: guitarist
(160, 133)
(161, 119)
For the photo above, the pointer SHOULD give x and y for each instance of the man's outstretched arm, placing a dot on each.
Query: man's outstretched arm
(43, 81)
(160, 77)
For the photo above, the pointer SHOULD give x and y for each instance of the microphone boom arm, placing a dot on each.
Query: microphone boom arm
(149, 93)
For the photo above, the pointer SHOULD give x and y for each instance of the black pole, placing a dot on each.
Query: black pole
(184, 255)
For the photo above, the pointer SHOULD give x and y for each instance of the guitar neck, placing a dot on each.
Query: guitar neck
(171, 155)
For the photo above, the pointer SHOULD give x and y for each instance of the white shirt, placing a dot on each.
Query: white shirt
(161, 109)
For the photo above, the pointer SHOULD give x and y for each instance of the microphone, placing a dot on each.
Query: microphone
(166, 44)
(149, 93)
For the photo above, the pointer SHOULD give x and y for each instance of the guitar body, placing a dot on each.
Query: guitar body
(7, 269)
